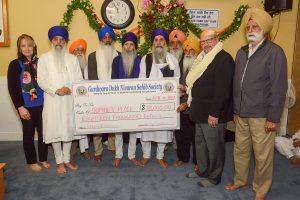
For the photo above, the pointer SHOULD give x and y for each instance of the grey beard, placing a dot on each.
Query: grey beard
(177, 54)
(128, 61)
(58, 56)
(188, 62)
(159, 54)
(107, 52)
(82, 62)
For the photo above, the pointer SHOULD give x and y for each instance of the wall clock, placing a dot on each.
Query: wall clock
(117, 13)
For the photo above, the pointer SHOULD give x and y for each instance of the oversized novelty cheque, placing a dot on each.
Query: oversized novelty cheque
(126, 105)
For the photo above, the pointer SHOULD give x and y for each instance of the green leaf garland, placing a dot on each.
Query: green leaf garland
(169, 17)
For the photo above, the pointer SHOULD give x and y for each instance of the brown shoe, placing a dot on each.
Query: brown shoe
(178, 163)
(87, 155)
(116, 162)
(144, 162)
(71, 166)
(35, 167)
(45, 164)
(232, 186)
(162, 163)
(61, 168)
(98, 158)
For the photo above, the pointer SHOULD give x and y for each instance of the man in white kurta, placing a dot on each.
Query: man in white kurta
(99, 68)
(56, 72)
(78, 49)
(289, 147)
(163, 65)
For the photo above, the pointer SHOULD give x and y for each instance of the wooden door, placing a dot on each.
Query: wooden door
(294, 113)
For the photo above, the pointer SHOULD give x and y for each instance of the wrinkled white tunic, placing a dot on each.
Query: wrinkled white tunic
(58, 122)
(165, 135)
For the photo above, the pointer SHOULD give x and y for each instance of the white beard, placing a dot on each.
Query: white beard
(159, 54)
(255, 38)
(104, 57)
(128, 61)
(177, 54)
(59, 57)
(188, 62)
(82, 62)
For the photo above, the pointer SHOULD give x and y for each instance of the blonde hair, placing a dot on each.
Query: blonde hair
(30, 40)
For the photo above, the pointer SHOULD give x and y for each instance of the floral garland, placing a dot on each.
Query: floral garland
(167, 14)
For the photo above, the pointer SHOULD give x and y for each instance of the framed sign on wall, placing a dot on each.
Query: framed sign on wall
(4, 38)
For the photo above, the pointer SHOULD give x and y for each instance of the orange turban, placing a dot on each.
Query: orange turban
(193, 43)
(177, 34)
(76, 44)
(261, 17)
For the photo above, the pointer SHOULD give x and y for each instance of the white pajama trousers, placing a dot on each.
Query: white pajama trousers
(146, 147)
(83, 144)
(131, 145)
(284, 146)
(62, 151)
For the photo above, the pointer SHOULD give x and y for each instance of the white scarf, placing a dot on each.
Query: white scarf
(104, 72)
(199, 66)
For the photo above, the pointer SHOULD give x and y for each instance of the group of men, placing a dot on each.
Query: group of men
(213, 89)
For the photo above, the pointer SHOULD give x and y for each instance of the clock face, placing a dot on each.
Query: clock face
(117, 13)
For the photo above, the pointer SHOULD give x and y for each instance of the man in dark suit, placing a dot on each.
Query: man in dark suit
(210, 99)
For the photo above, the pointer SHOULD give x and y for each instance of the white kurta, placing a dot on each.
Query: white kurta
(58, 123)
(285, 145)
(166, 135)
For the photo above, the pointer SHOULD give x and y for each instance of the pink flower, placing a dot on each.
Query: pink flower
(146, 4)
(180, 2)
(165, 12)
(165, 2)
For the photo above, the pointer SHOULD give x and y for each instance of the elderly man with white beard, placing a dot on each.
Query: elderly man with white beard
(185, 136)
(159, 64)
(176, 39)
(56, 72)
(78, 48)
(259, 92)
(126, 66)
(99, 68)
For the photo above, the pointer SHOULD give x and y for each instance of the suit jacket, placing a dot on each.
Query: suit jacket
(212, 92)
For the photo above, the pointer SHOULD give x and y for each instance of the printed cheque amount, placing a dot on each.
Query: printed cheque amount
(157, 106)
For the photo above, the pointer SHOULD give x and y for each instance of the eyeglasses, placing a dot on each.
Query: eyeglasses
(253, 28)
(189, 52)
(78, 50)
(208, 41)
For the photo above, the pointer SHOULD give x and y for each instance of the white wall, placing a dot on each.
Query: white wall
(10, 124)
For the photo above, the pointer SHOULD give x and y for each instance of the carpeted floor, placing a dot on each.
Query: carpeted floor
(128, 182)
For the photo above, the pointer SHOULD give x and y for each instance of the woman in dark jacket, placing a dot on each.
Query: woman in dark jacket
(28, 98)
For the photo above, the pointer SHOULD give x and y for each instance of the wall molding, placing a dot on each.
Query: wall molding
(10, 124)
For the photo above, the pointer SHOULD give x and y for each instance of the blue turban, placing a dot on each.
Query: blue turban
(106, 29)
(162, 32)
(58, 31)
(129, 37)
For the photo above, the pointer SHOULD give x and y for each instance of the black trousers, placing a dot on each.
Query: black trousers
(185, 137)
(29, 126)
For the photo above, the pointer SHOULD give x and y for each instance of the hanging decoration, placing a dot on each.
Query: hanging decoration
(167, 14)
